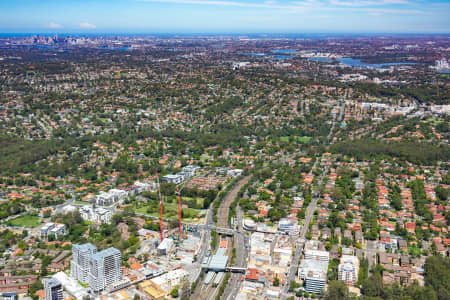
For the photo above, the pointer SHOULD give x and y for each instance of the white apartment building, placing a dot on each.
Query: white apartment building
(189, 171)
(140, 187)
(348, 269)
(54, 229)
(317, 255)
(97, 215)
(314, 273)
(173, 178)
(235, 172)
(110, 197)
(313, 270)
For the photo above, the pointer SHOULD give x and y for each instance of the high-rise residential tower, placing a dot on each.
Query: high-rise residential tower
(79, 265)
(53, 289)
(105, 269)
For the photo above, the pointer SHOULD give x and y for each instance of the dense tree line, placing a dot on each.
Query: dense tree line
(11, 208)
(418, 153)
(422, 94)
(437, 285)
(419, 197)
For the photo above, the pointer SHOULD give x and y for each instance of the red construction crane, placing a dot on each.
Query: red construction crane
(160, 203)
(161, 217)
(160, 208)
(179, 209)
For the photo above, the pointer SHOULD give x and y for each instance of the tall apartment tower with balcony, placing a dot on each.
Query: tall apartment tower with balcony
(53, 289)
(105, 269)
(79, 265)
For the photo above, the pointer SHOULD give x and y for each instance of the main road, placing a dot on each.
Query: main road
(309, 211)
(303, 231)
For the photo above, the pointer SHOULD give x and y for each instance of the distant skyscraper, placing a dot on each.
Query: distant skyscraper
(53, 289)
(79, 265)
(105, 269)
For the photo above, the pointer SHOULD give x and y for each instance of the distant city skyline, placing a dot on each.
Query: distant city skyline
(225, 16)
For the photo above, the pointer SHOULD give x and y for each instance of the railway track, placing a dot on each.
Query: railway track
(209, 292)
(224, 208)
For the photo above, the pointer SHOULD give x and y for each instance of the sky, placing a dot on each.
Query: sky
(224, 16)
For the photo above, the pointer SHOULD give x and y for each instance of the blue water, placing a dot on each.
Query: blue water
(445, 71)
(284, 51)
(42, 47)
(352, 62)
(348, 61)
(322, 59)
(273, 57)
(114, 49)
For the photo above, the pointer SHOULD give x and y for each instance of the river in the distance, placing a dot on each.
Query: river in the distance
(353, 62)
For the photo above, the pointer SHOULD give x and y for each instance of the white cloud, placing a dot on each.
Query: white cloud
(54, 25)
(86, 25)
(367, 3)
(302, 6)
(268, 4)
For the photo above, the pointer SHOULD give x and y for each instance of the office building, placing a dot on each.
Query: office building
(53, 289)
(79, 265)
(105, 269)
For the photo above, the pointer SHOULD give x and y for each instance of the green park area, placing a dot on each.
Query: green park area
(170, 208)
(26, 221)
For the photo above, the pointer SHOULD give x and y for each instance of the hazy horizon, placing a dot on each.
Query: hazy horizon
(287, 35)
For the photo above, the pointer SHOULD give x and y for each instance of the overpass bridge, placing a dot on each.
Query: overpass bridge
(236, 270)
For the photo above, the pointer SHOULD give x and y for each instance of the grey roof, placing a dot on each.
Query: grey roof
(84, 247)
(107, 252)
(218, 261)
(314, 268)
(52, 282)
